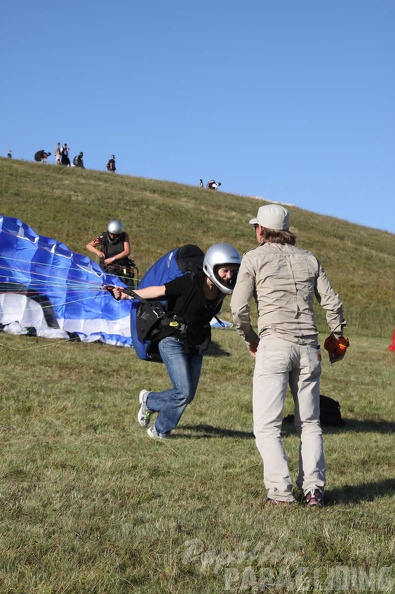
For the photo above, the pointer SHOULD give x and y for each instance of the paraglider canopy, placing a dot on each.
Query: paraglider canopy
(47, 290)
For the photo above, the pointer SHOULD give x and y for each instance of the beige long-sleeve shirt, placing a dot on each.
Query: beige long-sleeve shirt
(284, 280)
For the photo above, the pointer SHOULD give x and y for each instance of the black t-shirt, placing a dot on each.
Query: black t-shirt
(186, 300)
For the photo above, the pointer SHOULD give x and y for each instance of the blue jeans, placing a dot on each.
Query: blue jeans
(184, 373)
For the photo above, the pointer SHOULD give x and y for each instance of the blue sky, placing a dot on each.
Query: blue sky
(289, 101)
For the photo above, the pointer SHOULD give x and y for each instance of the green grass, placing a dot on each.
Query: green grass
(91, 505)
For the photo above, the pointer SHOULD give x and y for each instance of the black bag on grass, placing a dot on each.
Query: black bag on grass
(330, 414)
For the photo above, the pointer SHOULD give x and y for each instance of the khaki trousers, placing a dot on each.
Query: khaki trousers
(279, 363)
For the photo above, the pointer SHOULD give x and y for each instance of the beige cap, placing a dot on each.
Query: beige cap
(272, 216)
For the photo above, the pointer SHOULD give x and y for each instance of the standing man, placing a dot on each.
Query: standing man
(283, 279)
(111, 164)
(64, 155)
(58, 155)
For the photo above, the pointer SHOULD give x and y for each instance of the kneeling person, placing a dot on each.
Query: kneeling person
(112, 247)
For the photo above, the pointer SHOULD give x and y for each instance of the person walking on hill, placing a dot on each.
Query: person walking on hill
(283, 280)
(194, 299)
(9, 154)
(111, 164)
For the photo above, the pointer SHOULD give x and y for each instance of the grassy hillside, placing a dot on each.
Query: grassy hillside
(91, 505)
(73, 205)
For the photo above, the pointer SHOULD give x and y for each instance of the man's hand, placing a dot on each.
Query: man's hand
(252, 348)
(336, 347)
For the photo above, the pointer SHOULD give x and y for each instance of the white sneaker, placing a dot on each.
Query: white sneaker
(144, 414)
(152, 432)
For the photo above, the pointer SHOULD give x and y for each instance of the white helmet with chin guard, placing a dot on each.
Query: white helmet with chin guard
(218, 256)
(115, 227)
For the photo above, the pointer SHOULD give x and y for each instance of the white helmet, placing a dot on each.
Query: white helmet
(115, 227)
(221, 254)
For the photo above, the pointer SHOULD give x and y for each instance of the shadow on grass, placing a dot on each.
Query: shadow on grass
(368, 425)
(200, 431)
(215, 350)
(358, 426)
(207, 431)
(359, 493)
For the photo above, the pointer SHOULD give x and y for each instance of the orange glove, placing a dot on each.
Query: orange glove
(336, 347)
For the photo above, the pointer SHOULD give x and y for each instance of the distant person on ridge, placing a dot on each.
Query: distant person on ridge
(9, 154)
(64, 155)
(58, 155)
(213, 185)
(41, 156)
(111, 164)
(200, 183)
(78, 160)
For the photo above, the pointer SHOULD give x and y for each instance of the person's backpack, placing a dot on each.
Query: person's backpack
(38, 156)
(148, 318)
(75, 161)
(330, 414)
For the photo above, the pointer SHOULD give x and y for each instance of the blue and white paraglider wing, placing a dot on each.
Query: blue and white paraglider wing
(49, 291)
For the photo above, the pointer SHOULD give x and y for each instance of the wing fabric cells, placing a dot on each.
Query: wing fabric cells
(47, 290)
